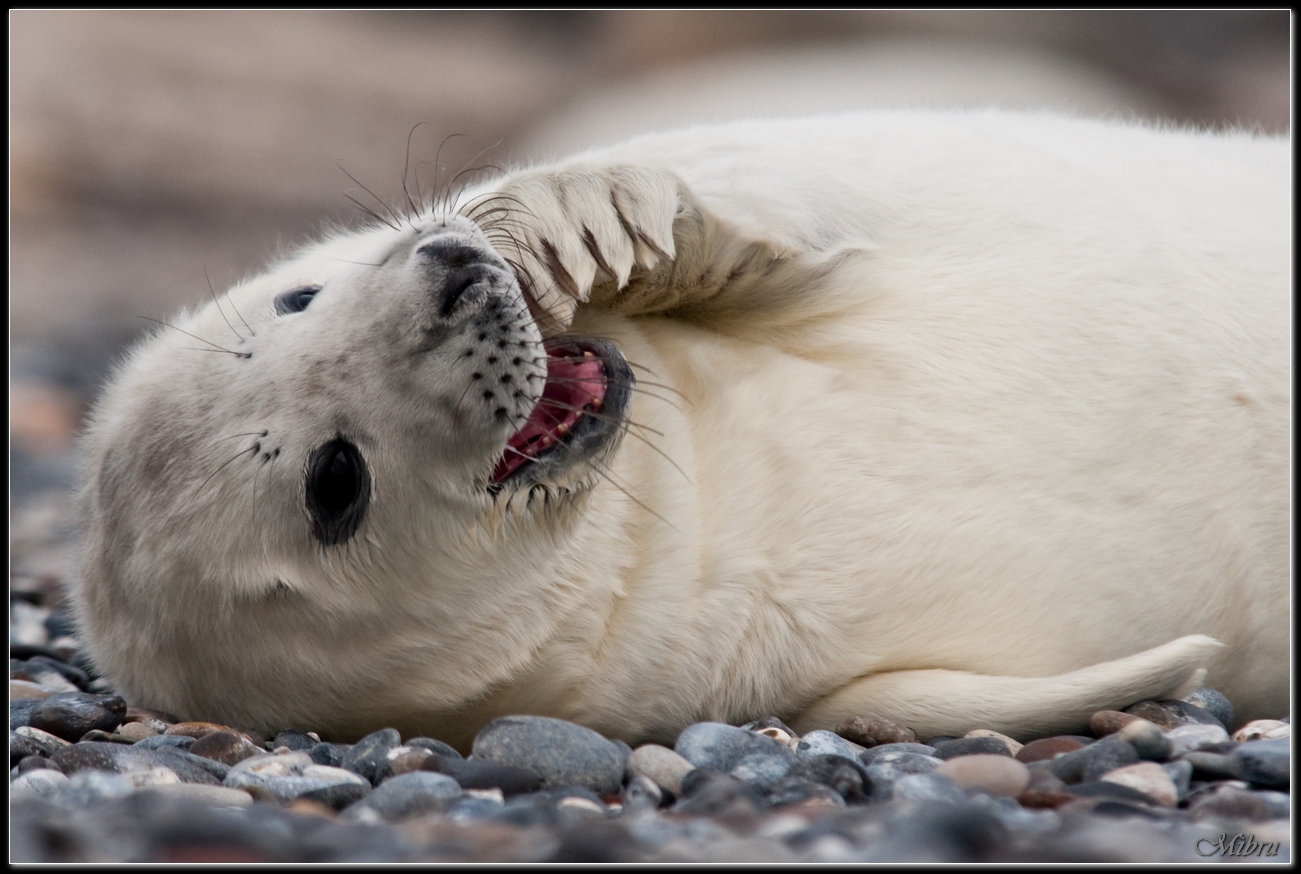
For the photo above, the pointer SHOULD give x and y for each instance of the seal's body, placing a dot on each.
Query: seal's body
(962, 420)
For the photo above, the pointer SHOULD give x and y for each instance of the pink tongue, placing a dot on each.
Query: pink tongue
(575, 380)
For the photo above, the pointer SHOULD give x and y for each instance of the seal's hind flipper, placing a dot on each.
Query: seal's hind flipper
(940, 702)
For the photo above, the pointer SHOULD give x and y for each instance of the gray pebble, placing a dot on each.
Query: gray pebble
(1194, 736)
(474, 807)
(176, 741)
(799, 791)
(36, 763)
(46, 741)
(408, 795)
(925, 787)
(867, 757)
(1265, 762)
(1213, 703)
(660, 765)
(369, 754)
(43, 783)
(1191, 714)
(21, 747)
(846, 777)
(717, 747)
(70, 715)
(20, 711)
(1091, 762)
(338, 795)
(823, 743)
(971, 746)
(434, 746)
(884, 771)
(761, 768)
(120, 758)
(1279, 803)
(1213, 766)
(561, 752)
(769, 722)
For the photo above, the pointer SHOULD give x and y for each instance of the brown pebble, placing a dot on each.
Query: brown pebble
(1000, 776)
(411, 760)
(1106, 722)
(195, 730)
(227, 746)
(659, 764)
(1154, 712)
(1045, 799)
(136, 731)
(155, 719)
(870, 731)
(27, 689)
(308, 807)
(1014, 746)
(1047, 748)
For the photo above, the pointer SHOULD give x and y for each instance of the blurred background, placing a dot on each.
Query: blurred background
(154, 152)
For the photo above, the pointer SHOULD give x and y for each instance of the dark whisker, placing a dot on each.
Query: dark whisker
(216, 348)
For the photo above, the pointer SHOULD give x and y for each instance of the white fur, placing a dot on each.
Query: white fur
(966, 420)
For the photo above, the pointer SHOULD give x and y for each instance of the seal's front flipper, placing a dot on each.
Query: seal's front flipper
(939, 702)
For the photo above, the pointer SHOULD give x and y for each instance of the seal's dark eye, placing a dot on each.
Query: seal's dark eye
(338, 491)
(295, 300)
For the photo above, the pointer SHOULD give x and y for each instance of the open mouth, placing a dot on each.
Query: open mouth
(581, 408)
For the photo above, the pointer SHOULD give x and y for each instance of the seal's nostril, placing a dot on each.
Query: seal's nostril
(451, 254)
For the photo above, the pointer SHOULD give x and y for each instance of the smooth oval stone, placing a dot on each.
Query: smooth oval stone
(826, 743)
(195, 729)
(405, 759)
(884, 771)
(196, 793)
(1213, 766)
(325, 753)
(22, 747)
(275, 764)
(1013, 745)
(1091, 762)
(136, 731)
(19, 689)
(1046, 748)
(70, 715)
(42, 783)
(293, 775)
(1194, 736)
(337, 796)
(371, 752)
(1190, 714)
(87, 787)
(847, 777)
(1213, 703)
(1150, 779)
(717, 747)
(561, 752)
(660, 765)
(759, 726)
(227, 747)
(105, 737)
(409, 795)
(1265, 762)
(999, 775)
(867, 757)
(1279, 803)
(474, 774)
(870, 731)
(118, 759)
(972, 746)
(1105, 722)
(1181, 774)
(1106, 789)
(35, 763)
(46, 741)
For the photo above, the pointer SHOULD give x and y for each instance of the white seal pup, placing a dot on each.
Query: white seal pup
(961, 420)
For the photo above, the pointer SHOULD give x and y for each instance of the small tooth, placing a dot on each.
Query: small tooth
(562, 429)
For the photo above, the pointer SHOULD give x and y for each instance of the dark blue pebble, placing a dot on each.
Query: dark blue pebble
(325, 753)
(1265, 762)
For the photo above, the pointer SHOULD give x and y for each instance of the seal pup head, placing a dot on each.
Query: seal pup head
(327, 476)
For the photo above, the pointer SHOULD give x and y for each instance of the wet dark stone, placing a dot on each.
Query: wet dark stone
(434, 746)
(325, 753)
(474, 774)
(1214, 766)
(70, 715)
(20, 711)
(412, 794)
(1265, 762)
(971, 746)
(1215, 704)
(1091, 762)
(338, 795)
(371, 752)
(294, 740)
(175, 741)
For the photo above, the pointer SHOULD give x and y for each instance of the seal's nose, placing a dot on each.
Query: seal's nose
(459, 268)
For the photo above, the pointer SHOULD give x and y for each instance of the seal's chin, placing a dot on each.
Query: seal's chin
(581, 411)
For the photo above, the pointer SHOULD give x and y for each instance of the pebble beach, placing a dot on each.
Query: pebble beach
(95, 779)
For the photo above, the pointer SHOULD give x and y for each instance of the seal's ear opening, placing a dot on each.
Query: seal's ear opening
(338, 491)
